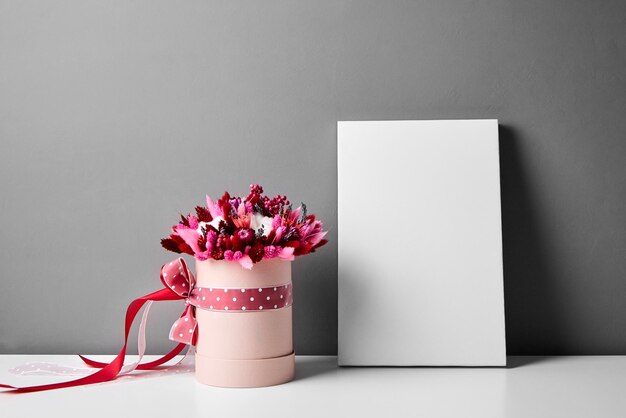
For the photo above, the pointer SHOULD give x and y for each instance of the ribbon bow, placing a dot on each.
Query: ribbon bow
(177, 277)
(179, 283)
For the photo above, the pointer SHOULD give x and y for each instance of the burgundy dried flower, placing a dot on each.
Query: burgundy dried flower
(203, 214)
(170, 245)
(217, 254)
(256, 252)
(202, 242)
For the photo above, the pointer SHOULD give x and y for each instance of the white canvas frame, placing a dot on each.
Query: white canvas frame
(420, 244)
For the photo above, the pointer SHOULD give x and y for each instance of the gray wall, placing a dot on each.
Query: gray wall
(115, 116)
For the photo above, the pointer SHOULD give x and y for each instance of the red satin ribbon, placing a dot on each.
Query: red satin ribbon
(109, 371)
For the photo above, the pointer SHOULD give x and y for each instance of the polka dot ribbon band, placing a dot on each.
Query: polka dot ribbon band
(238, 299)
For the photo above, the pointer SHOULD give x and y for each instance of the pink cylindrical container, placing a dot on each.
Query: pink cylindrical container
(244, 348)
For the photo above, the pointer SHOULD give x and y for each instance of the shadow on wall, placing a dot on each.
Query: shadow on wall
(533, 320)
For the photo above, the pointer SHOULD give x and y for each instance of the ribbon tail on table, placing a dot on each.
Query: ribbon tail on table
(141, 366)
(110, 371)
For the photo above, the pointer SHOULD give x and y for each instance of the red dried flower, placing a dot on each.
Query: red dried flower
(202, 242)
(170, 245)
(256, 252)
(235, 242)
(203, 214)
(217, 254)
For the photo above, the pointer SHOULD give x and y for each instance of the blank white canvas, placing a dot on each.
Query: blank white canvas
(420, 244)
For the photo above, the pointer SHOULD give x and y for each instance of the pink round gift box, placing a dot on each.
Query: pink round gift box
(252, 348)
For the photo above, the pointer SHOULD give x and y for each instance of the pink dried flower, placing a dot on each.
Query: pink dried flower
(271, 251)
(246, 230)
(245, 235)
(193, 222)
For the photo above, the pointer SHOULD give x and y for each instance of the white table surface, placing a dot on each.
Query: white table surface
(530, 387)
